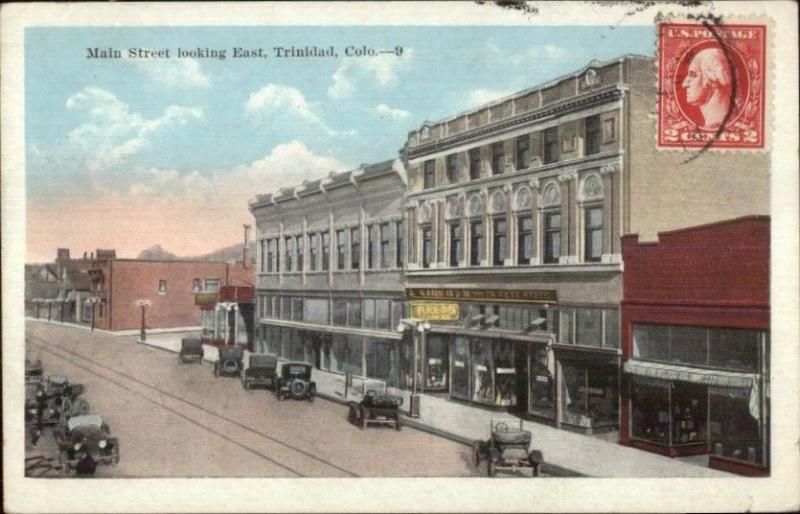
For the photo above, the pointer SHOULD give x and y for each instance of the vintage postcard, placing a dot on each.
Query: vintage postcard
(446, 257)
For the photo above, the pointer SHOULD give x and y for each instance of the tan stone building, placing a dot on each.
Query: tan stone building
(515, 211)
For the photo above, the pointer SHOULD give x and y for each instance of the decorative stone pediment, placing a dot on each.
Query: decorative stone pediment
(454, 207)
(523, 199)
(591, 188)
(551, 194)
(424, 213)
(475, 205)
(498, 202)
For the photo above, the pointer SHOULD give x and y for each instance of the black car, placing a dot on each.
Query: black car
(229, 362)
(508, 449)
(53, 401)
(376, 409)
(84, 442)
(191, 350)
(261, 370)
(295, 382)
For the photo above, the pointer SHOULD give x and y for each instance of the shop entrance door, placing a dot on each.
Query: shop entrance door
(521, 365)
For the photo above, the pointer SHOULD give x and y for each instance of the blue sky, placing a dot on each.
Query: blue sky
(125, 153)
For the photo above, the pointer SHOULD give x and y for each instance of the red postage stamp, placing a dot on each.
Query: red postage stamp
(711, 85)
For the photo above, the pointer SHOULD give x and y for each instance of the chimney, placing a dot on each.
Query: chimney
(62, 254)
(85, 255)
(91, 256)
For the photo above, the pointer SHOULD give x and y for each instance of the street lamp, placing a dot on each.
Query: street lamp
(421, 326)
(142, 304)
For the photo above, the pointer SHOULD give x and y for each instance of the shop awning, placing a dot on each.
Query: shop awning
(698, 376)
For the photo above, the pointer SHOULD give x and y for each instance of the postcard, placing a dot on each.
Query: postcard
(444, 257)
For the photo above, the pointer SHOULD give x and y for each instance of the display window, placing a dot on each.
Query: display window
(383, 361)
(505, 374)
(589, 395)
(347, 352)
(589, 327)
(436, 363)
(460, 368)
(733, 430)
(482, 383)
(689, 413)
(650, 410)
(542, 383)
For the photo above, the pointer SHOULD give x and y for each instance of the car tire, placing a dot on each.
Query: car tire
(298, 389)
(476, 453)
(115, 454)
(398, 424)
(490, 471)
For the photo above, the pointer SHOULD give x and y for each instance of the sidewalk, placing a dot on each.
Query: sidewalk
(566, 453)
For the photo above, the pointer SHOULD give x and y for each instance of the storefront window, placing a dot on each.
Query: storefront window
(286, 307)
(650, 418)
(297, 309)
(483, 387)
(688, 345)
(382, 361)
(589, 327)
(221, 323)
(369, 313)
(346, 354)
(316, 311)
(612, 328)
(354, 316)
(505, 374)
(460, 368)
(340, 312)
(384, 320)
(651, 342)
(734, 349)
(734, 432)
(435, 363)
(207, 320)
(542, 384)
(566, 316)
(589, 395)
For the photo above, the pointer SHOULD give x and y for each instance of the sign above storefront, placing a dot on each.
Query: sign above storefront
(434, 311)
(484, 295)
(205, 298)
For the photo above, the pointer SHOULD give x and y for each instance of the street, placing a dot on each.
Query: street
(180, 421)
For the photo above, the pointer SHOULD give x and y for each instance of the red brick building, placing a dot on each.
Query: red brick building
(695, 343)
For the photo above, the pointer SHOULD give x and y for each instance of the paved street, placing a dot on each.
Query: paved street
(178, 420)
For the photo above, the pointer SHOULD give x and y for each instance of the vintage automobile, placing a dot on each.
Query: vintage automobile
(33, 371)
(54, 401)
(260, 371)
(295, 382)
(191, 350)
(84, 442)
(229, 362)
(508, 449)
(378, 409)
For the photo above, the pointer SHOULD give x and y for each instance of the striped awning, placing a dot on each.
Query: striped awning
(709, 377)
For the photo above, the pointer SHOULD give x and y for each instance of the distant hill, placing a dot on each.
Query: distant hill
(228, 253)
(156, 253)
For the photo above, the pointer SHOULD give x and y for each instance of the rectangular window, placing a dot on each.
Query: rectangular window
(383, 314)
(611, 329)
(593, 242)
(398, 250)
(326, 250)
(498, 158)
(589, 327)
(500, 241)
(427, 247)
(312, 252)
(430, 174)
(452, 168)
(369, 313)
(565, 325)
(550, 145)
(298, 242)
(476, 243)
(341, 246)
(316, 311)
(592, 141)
(354, 313)
(269, 255)
(211, 286)
(370, 246)
(456, 244)
(609, 130)
(355, 248)
(523, 152)
(162, 286)
(277, 255)
(197, 285)
(263, 256)
(288, 247)
(297, 309)
(386, 241)
(474, 163)
(552, 237)
(340, 312)
(524, 239)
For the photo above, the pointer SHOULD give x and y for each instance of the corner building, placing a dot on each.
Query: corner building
(330, 272)
(515, 211)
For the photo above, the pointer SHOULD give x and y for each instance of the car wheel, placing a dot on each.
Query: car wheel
(115, 454)
(537, 471)
(476, 453)
(397, 423)
(490, 468)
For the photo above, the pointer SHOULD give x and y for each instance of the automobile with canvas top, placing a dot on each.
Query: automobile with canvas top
(376, 409)
(84, 442)
(508, 449)
(229, 362)
(191, 350)
(260, 370)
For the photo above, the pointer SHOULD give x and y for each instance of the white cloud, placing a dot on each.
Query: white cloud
(276, 103)
(384, 111)
(114, 131)
(481, 96)
(174, 73)
(549, 52)
(381, 70)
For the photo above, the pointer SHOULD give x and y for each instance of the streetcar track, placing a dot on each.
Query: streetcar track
(47, 346)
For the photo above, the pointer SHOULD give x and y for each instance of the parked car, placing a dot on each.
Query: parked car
(260, 370)
(507, 448)
(84, 442)
(229, 362)
(295, 382)
(376, 409)
(54, 401)
(191, 350)
(33, 371)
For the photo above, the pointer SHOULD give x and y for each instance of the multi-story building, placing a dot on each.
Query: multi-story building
(330, 272)
(515, 212)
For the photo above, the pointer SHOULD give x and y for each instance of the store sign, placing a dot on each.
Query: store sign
(205, 298)
(435, 311)
(484, 295)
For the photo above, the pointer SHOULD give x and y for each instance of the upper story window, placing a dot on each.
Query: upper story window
(452, 168)
(298, 243)
(523, 152)
(386, 241)
(162, 286)
(476, 243)
(211, 285)
(592, 141)
(498, 158)
(263, 243)
(340, 249)
(277, 254)
(288, 246)
(593, 241)
(371, 247)
(552, 237)
(500, 247)
(524, 239)
(430, 174)
(312, 252)
(197, 285)
(427, 246)
(550, 145)
(355, 248)
(456, 244)
(398, 250)
(326, 251)
(474, 163)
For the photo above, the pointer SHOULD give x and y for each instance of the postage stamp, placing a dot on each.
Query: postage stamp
(712, 80)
